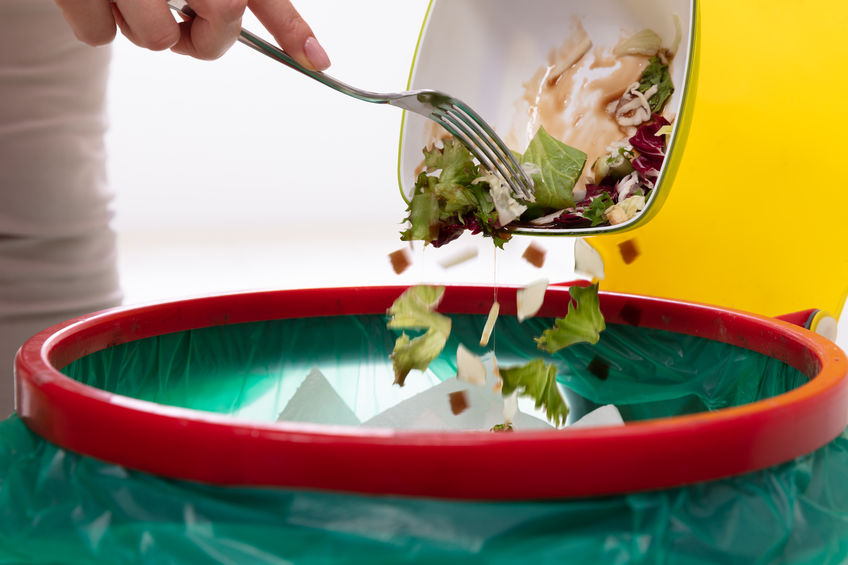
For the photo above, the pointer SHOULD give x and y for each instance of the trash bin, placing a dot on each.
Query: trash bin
(149, 434)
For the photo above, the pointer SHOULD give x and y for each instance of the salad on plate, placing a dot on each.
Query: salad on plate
(596, 163)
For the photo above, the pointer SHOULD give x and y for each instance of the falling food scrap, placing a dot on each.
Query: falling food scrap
(490, 324)
(535, 255)
(457, 258)
(400, 260)
(530, 298)
(587, 260)
(629, 251)
(469, 367)
(458, 402)
(599, 368)
(631, 314)
(510, 407)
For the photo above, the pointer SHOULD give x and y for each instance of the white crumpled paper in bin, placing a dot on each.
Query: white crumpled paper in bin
(431, 409)
(316, 401)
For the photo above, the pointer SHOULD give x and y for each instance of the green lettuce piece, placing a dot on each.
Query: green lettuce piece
(416, 353)
(596, 209)
(446, 196)
(415, 309)
(456, 200)
(656, 73)
(423, 218)
(537, 380)
(559, 168)
(457, 171)
(446, 193)
(583, 322)
(455, 162)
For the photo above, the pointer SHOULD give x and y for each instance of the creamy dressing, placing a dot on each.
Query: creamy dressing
(573, 102)
(573, 97)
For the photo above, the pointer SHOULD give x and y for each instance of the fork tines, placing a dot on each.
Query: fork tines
(479, 138)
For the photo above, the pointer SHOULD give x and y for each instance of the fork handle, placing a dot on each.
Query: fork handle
(255, 42)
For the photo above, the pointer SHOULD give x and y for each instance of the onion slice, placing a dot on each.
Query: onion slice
(458, 258)
(645, 42)
(530, 298)
(490, 324)
(510, 407)
(469, 367)
(587, 260)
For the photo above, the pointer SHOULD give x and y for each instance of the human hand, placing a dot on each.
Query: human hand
(150, 24)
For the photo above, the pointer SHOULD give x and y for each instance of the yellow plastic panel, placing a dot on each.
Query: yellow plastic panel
(757, 218)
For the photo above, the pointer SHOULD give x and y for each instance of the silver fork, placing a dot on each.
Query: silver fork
(456, 117)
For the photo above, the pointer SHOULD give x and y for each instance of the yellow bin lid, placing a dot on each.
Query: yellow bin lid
(756, 219)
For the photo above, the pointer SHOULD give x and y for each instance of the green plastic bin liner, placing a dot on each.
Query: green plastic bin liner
(61, 507)
(252, 370)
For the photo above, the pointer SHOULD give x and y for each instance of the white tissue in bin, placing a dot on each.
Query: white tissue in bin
(430, 410)
(607, 415)
(316, 401)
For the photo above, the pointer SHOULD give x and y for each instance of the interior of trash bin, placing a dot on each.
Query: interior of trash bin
(253, 370)
(200, 389)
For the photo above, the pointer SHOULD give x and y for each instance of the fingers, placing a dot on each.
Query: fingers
(147, 23)
(150, 24)
(290, 30)
(91, 20)
(215, 28)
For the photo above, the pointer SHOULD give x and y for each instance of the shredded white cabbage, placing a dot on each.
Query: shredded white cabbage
(645, 42)
(627, 185)
(633, 108)
(508, 207)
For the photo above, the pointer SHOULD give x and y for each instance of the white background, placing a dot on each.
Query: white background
(241, 173)
(231, 174)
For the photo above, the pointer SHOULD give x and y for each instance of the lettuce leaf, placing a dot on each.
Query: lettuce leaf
(559, 168)
(537, 380)
(595, 212)
(456, 173)
(423, 218)
(416, 353)
(656, 74)
(455, 162)
(446, 201)
(583, 322)
(454, 194)
(415, 309)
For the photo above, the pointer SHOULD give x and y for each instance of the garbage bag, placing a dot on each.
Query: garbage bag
(60, 507)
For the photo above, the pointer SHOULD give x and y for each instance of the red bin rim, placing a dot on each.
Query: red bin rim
(217, 449)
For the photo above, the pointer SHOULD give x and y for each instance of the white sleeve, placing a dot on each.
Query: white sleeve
(52, 121)
(57, 250)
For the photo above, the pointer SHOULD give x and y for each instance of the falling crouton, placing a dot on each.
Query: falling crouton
(535, 255)
(629, 251)
(458, 402)
(400, 260)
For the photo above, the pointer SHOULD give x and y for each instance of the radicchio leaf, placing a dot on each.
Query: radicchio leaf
(651, 149)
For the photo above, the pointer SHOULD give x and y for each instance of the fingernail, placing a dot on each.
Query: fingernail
(316, 54)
